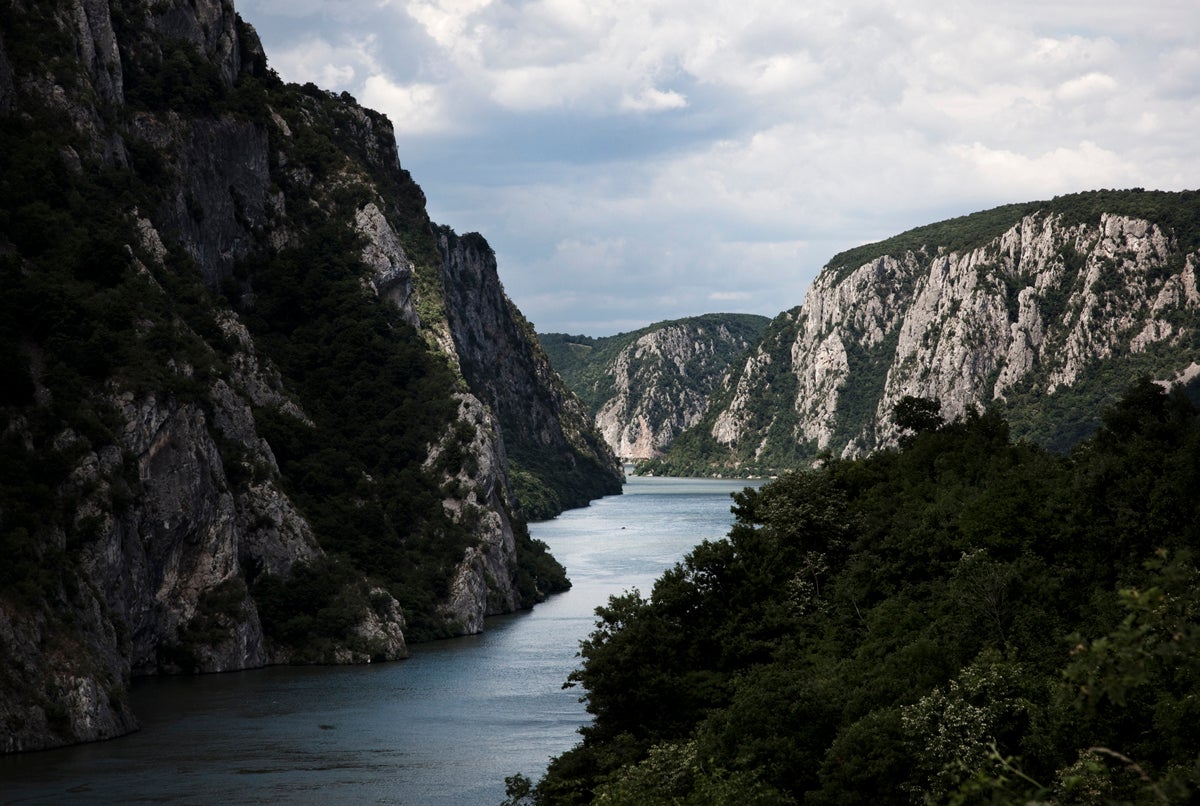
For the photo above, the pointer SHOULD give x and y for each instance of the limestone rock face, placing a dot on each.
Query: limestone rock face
(392, 271)
(661, 385)
(485, 582)
(98, 48)
(211, 26)
(543, 423)
(1016, 321)
(728, 427)
(646, 387)
(153, 570)
(221, 206)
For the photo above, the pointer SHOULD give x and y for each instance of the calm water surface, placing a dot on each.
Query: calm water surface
(443, 727)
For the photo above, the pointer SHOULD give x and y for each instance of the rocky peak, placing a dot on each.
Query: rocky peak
(211, 27)
(546, 428)
(1028, 319)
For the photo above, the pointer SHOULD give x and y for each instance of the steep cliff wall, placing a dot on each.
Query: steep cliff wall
(235, 428)
(558, 459)
(1048, 319)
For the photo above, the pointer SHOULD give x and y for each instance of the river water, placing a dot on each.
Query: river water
(443, 727)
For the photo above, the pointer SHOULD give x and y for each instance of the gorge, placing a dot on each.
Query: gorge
(258, 409)
(646, 387)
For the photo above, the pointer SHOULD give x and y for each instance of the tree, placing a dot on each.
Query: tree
(918, 414)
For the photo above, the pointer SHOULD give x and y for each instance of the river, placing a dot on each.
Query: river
(443, 727)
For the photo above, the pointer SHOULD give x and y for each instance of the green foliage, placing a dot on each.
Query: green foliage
(315, 609)
(518, 790)
(964, 619)
(177, 78)
(546, 482)
(35, 564)
(1061, 420)
(538, 573)
(918, 415)
(859, 396)
(219, 612)
(1178, 213)
(673, 775)
(378, 399)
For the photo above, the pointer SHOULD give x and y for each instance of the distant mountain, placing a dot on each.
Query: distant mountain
(1045, 310)
(645, 387)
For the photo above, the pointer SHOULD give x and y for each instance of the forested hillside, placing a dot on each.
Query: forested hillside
(963, 618)
(1044, 311)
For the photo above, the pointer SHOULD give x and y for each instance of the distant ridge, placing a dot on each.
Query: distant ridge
(645, 387)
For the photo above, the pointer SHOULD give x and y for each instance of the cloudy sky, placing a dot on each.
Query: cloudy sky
(638, 160)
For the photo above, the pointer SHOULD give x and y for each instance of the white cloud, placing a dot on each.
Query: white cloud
(1087, 87)
(653, 100)
(1080, 167)
(449, 23)
(414, 109)
(328, 65)
(627, 154)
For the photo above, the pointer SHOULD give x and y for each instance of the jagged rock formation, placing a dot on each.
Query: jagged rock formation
(1046, 310)
(239, 420)
(646, 387)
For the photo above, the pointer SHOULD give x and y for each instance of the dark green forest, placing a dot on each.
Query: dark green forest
(1178, 213)
(962, 619)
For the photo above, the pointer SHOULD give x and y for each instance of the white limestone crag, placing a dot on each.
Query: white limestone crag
(485, 581)
(1037, 307)
(652, 401)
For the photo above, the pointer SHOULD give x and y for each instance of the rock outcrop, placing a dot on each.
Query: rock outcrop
(1047, 320)
(546, 428)
(646, 387)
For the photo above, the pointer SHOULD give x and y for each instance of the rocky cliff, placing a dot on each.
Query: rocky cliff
(243, 419)
(557, 459)
(1045, 310)
(646, 387)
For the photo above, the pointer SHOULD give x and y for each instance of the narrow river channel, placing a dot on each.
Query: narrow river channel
(443, 727)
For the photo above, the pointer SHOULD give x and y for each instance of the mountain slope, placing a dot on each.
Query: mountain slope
(1045, 310)
(645, 387)
(238, 425)
(558, 459)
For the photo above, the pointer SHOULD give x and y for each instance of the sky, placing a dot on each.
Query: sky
(633, 161)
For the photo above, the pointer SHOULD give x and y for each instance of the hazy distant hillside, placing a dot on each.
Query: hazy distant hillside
(1045, 309)
(645, 387)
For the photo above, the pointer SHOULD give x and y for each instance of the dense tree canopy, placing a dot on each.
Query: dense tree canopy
(964, 619)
